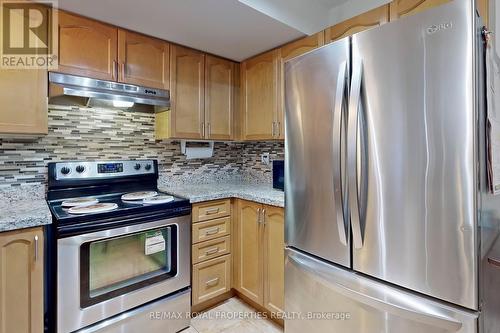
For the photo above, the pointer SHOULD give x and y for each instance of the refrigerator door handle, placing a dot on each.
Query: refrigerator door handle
(337, 150)
(375, 297)
(352, 150)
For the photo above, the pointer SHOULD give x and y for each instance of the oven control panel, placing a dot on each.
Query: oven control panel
(103, 169)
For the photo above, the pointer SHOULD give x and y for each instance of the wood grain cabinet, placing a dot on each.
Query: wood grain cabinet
(365, 21)
(87, 47)
(202, 96)
(21, 281)
(101, 51)
(23, 100)
(259, 254)
(211, 252)
(143, 60)
(219, 97)
(401, 8)
(260, 91)
(187, 94)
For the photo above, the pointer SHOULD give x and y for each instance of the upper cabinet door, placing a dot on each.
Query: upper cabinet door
(187, 95)
(219, 97)
(259, 83)
(368, 20)
(143, 60)
(87, 47)
(401, 8)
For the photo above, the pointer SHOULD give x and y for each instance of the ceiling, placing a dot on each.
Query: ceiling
(234, 29)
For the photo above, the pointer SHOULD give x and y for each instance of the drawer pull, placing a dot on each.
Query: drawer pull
(212, 282)
(212, 211)
(212, 231)
(212, 251)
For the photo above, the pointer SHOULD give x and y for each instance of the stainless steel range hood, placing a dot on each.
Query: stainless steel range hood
(72, 85)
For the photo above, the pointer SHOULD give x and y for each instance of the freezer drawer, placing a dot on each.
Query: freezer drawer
(352, 303)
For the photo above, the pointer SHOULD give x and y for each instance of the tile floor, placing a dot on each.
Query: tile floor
(232, 316)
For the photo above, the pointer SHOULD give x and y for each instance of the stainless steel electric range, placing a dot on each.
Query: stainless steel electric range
(118, 250)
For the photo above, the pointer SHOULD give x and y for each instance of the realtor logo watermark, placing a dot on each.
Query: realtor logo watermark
(29, 35)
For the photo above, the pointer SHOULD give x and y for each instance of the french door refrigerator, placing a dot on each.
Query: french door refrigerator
(385, 178)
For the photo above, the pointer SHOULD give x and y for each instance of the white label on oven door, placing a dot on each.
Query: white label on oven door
(154, 243)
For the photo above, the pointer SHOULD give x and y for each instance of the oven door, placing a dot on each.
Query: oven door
(104, 273)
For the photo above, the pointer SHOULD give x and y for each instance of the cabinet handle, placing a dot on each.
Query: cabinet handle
(36, 247)
(209, 130)
(264, 216)
(212, 231)
(212, 282)
(122, 65)
(258, 215)
(203, 130)
(279, 128)
(212, 251)
(212, 211)
(115, 70)
(273, 130)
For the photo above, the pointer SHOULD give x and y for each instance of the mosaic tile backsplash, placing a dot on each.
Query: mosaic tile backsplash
(104, 134)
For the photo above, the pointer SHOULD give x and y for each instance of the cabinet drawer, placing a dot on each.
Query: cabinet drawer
(211, 210)
(210, 229)
(211, 278)
(211, 249)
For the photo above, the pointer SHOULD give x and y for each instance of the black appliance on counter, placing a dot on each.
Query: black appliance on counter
(279, 174)
(118, 249)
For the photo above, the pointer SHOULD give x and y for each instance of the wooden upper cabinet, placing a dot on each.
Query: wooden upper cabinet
(248, 273)
(301, 46)
(365, 21)
(274, 250)
(143, 60)
(219, 97)
(187, 92)
(401, 8)
(260, 91)
(23, 96)
(87, 47)
(21, 281)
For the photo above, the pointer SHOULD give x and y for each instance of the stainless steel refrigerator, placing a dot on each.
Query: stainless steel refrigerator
(385, 179)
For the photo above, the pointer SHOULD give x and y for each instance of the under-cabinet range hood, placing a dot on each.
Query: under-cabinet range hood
(119, 93)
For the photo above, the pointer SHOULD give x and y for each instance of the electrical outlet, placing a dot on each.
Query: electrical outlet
(265, 158)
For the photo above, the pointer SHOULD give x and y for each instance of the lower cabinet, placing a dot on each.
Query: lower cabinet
(211, 251)
(21, 281)
(259, 254)
(211, 278)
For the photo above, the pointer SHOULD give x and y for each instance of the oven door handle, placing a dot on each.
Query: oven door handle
(117, 232)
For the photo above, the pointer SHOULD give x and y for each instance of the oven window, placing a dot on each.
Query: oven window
(115, 266)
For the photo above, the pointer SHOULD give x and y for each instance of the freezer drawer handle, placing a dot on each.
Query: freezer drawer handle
(337, 160)
(352, 151)
(316, 271)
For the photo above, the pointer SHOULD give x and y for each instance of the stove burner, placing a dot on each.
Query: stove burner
(159, 199)
(79, 202)
(139, 195)
(97, 208)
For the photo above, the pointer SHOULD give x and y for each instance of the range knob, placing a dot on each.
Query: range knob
(65, 170)
(80, 169)
(137, 166)
(148, 167)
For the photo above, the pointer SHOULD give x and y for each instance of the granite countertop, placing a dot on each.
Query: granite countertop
(261, 193)
(23, 207)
